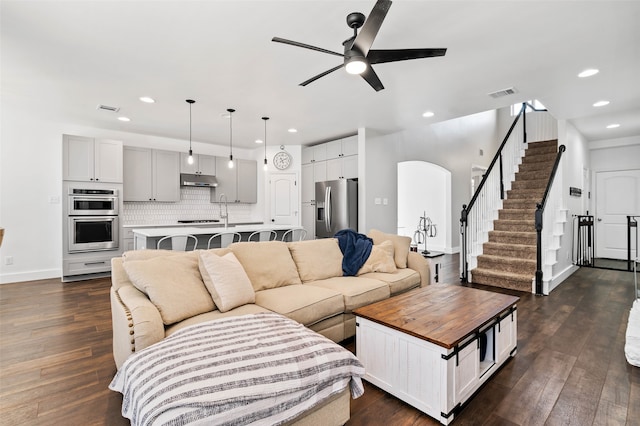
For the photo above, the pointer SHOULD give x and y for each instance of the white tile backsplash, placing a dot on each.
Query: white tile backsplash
(194, 204)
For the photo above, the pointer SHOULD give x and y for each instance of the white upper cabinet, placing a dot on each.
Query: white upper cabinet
(91, 160)
(342, 147)
(308, 189)
(202, 164)
(314, 154)
(239, 184)
(151, 175)
(350, 146)
(307, 155)
(334, 149)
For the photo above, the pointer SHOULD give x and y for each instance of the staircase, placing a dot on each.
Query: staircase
(509, 257)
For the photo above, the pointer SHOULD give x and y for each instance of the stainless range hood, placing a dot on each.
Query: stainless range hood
(187, 179)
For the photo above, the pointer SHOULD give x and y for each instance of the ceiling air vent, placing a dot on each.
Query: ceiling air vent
(108, 108)
(503, 92)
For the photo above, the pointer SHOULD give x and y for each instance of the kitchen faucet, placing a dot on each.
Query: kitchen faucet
(224, 216)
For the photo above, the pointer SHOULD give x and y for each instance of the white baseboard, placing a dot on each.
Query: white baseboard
(30, 276)
(559, 278)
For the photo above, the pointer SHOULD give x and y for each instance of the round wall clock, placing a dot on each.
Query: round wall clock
(282, 160)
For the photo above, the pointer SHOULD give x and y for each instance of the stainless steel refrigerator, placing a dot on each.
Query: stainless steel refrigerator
(336, 206)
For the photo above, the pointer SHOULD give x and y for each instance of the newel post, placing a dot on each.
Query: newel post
(538, 224)
(464, 276)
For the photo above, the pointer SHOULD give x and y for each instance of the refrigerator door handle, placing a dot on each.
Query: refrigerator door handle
(327, 216)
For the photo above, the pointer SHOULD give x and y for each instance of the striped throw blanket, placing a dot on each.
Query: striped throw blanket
(251, 369)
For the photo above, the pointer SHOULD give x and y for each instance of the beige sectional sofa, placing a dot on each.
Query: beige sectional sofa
(301, 280)
(154, 293)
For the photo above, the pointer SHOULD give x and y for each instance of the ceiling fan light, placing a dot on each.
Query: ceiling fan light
(356, 65)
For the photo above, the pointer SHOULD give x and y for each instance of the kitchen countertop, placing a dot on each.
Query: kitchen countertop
(191, 225)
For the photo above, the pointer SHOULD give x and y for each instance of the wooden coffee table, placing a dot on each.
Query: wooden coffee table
(434, 347)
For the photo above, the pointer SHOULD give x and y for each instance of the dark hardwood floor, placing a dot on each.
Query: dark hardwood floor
(56, 361)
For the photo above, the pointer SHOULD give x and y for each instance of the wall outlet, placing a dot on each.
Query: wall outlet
(377, 200)
(8, 260)
(54, 199)
(385, 201)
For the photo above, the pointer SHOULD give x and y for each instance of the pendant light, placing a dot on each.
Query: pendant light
(231, 111)
(190, 158)
(266, 167)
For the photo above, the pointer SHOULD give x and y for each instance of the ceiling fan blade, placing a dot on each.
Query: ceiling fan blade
(394, 55)
(372, 78)
(306, 46)
(312, 79)
(369, 30)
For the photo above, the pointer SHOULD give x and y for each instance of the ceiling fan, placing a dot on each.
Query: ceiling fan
(358, 55)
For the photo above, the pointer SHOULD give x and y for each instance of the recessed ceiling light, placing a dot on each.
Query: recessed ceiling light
(601, 103)
(147, 99)
(428, 114)
(613, 126)
(124, 119)
(292, 130)
(259, 141)
(588, 73)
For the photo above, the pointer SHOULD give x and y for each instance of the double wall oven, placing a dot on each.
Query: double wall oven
(92, 219)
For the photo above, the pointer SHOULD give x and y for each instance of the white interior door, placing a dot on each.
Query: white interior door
(284, 199)
(617, 196)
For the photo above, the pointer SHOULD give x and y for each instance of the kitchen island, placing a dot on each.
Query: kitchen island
(147, 238)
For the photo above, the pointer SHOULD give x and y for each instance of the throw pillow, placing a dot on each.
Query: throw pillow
(380, 260)
(317, 259)
(226, 280)
(173, 284)
(401, 245)
(268, 264)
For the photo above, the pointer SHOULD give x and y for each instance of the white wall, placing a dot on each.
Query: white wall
(454, 145)
(31, 174)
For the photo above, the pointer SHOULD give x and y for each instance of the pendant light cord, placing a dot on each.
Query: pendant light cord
(265, 139)
(231, 111)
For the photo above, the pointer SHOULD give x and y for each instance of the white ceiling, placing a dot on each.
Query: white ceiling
(69, 56)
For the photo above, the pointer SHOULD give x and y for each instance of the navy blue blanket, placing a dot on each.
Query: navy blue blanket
(355, 250)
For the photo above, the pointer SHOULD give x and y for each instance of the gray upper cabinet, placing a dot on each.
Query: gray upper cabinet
(239, 184)
(91, 160)
(151, 175)
(202, 164)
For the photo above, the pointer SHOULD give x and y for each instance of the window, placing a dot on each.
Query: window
(515, 108)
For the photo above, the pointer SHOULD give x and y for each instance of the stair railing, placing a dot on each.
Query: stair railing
(477, 217)
(552, 192)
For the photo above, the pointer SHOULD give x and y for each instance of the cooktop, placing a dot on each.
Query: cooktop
(199, 221)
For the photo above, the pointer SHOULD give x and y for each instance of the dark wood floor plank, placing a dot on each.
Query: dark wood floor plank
(56, 359)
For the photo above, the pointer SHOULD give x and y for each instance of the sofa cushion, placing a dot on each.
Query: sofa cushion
(173, 284)
(304, 304)
(356, 291)
(398, 281)
(380, 260)
(401, 245)
(317, 259)
(214, 315)
(226, 280)
(268, 264)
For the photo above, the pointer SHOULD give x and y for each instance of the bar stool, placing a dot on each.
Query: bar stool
(225, 239)
(179, 242)
(296, 234)
(263, 235)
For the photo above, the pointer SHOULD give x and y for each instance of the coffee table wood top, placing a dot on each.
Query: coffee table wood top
(441, 314)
